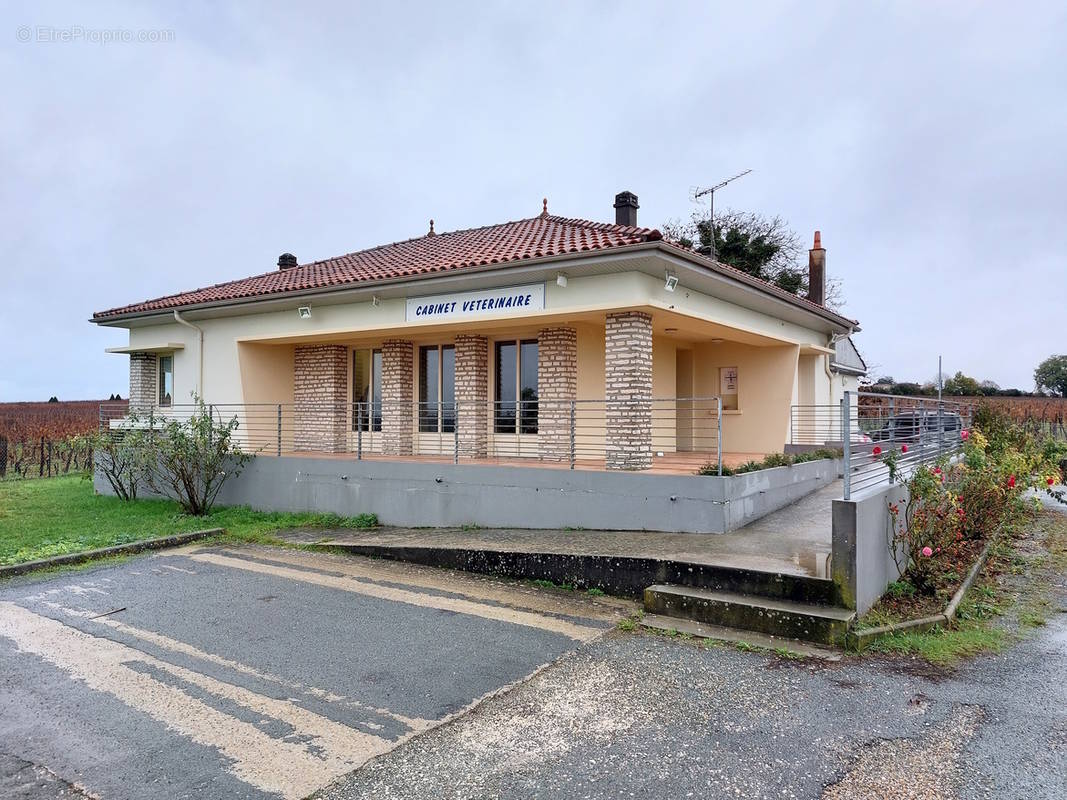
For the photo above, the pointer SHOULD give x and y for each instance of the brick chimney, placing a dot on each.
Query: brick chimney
(626, 209)
(286, 261)
(817, 271)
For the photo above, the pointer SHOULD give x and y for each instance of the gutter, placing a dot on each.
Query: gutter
(199, 350)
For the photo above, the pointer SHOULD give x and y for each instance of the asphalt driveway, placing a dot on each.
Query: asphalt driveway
(253, 672)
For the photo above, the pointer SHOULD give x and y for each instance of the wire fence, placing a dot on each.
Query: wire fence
(623, 434)
(43, 457)
(883, 437)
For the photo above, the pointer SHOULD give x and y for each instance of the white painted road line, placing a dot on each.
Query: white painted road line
(290, 768)
(581, 633)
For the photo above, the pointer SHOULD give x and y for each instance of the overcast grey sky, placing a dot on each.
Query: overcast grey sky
(927, 141)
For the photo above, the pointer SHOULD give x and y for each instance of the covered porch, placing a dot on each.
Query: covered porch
(638, 389)
(650, 388)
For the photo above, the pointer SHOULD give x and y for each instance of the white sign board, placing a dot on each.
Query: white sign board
(506, 302)
(728, 380)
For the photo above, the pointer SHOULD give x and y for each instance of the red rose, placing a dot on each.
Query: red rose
(903, 448)
(1050, 480)
(1011, 482)
(877, 451)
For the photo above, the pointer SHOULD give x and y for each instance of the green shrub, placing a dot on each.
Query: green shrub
(770, 462)
(777, 460)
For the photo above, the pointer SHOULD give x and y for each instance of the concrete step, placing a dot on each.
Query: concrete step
(699, 630)
(784, 618)
(624, 576)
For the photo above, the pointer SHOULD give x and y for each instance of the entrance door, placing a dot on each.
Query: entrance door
(684, 406)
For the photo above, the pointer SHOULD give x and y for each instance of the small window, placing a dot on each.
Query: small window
(166, 380)
(437, 389)
(728, 388)
(516, 387)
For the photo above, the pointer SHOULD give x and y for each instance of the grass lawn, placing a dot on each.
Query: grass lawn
(55, 516)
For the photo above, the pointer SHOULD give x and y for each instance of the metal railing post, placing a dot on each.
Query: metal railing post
(359, 431)
(892, 425)
(846, 442)
(940, 430)
(573, 437)
(718, 405)
(455, 432)
(279, 429)
(922, 425)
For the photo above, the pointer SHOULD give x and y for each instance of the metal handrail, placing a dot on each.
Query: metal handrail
(880, 449)
(565, 431)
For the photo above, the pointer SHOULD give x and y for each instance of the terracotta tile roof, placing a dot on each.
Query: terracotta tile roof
(522, 240)
(506, 243)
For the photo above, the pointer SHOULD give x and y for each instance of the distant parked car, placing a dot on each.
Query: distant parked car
(910, 426)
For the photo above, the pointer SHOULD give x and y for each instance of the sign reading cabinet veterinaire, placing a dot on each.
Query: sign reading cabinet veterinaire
(513, 300)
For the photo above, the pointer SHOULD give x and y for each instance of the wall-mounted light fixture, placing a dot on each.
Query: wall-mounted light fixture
(716, 341)
(304, 312)
(671, 282)
(375, 301)
(561, 280)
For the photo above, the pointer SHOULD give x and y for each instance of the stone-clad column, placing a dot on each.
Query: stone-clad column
(628, 387)
(398, 408)
(143, 382)
(320, 398)
(472, 395)
(557, 387)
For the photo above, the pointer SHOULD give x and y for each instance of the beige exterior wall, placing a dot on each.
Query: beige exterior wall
(248, 358)
(766, 383)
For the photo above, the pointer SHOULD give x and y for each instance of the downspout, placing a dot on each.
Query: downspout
(199, 351)
(834, 339)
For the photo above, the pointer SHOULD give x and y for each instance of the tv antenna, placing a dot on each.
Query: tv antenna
(697, 193)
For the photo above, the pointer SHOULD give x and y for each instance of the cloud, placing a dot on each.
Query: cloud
(925, 142)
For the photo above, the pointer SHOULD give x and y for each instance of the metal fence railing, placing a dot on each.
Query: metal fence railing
(885, 437)
(626, 434)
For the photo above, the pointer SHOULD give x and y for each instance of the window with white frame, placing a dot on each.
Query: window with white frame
(166, 379)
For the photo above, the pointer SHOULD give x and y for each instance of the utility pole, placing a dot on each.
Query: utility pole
(698, 193)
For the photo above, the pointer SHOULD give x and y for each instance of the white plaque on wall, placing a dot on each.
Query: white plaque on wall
(506, 302)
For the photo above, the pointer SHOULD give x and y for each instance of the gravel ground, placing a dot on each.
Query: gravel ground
(639, 715)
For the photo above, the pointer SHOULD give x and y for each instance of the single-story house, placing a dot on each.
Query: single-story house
(551, 339)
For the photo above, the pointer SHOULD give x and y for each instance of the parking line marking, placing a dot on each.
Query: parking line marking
(289, 768)
(179, 569)
(429, 578)
(175, 646)
(581, 633)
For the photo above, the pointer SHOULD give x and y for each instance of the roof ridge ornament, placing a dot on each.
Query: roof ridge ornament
(544, 207)
(431, 231)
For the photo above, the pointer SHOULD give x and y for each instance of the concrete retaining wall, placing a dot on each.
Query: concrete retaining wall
(414, 494)
(862, 564)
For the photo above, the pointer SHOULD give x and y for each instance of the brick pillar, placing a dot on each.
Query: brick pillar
(628, 386)
(398, 407)
(472, 395)
(143, 378)
(557, 386)
(320, 397)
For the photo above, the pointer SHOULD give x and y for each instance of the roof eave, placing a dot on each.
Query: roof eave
(667, 248)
